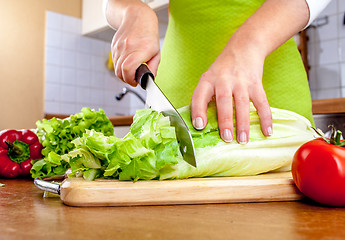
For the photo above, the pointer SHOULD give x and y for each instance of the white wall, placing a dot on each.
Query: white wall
(76, 74)
(326, 53)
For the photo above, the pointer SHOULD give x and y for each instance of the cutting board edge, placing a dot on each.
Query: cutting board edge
(124, 204)
(170, 192)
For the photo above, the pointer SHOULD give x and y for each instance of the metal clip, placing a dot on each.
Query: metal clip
(47, 186)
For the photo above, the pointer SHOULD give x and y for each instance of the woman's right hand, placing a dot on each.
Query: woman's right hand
(136, 41)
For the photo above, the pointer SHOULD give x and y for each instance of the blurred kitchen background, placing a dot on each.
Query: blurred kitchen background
(76, 74)
(77, 69)
(326, 52)
(55, 53)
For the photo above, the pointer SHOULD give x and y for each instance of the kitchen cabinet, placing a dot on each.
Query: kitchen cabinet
(95, 25)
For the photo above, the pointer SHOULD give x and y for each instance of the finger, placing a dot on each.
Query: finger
(128, 68)
(130, 65)
(113, 44)
(241, 100)
(225, 110)
(117, 35)
(263, 109)
(117, 66)
(201, 97)
(122, 47)
(116, 54)
(115, 57)
(153, 63)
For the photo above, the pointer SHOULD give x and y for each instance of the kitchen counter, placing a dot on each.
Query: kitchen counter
(326, 106)
(25, 214)
(115, 120)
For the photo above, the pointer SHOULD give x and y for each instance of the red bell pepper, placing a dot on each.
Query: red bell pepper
(17, 149)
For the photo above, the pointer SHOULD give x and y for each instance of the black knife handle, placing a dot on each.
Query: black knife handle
(141, 75)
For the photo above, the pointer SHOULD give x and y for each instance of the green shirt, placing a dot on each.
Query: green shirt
(197, 33)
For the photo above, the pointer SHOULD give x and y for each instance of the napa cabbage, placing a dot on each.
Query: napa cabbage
(150, 150)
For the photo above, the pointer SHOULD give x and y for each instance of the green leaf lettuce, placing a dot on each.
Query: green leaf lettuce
(57, 135)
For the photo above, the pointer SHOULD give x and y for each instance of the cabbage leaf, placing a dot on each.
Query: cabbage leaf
(150, 150)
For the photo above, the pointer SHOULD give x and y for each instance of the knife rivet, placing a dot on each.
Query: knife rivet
(184, 149)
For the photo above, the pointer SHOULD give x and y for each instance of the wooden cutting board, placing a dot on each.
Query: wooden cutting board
(260, 188)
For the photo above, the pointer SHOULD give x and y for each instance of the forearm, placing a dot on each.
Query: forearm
(270, 26)
(115, 10)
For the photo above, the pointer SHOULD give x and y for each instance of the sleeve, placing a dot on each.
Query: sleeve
(315, 8)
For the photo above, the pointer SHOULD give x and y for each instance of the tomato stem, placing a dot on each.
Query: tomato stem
(335, 137)
(333, 133)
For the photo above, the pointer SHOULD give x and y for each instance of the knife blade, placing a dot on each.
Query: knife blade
(156, 100)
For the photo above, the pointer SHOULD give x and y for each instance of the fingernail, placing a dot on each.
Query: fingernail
(243, 138)
(227, 136)
(269, 131)
(198, 123)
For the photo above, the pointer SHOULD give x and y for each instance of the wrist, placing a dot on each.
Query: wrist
(246, 42)
(140, 10)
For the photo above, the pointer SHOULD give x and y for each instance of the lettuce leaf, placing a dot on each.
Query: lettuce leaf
(57, 135)
(52, 165)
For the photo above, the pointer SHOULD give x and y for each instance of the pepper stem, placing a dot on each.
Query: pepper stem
(18, 151)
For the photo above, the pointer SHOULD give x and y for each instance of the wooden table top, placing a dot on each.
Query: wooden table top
(25, 214)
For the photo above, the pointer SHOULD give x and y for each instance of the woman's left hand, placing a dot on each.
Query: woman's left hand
(237, 72)
(235, 75)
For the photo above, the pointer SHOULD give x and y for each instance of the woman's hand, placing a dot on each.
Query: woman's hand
(237, 72)
(136, 41)
(235, 77)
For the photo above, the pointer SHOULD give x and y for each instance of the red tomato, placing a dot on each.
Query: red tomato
(318, 169)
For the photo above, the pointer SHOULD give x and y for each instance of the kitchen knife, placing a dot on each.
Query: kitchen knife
(156, 100)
